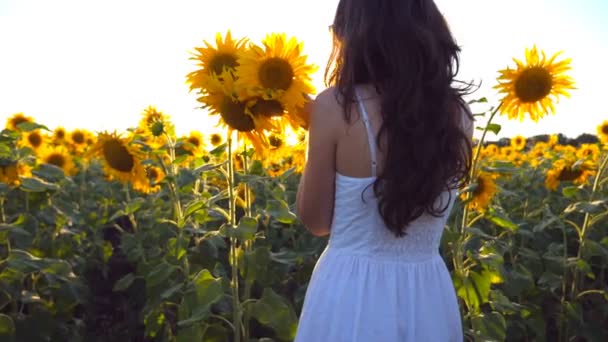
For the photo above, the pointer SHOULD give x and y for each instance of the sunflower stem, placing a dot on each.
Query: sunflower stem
(178, 213)
(474, 164)
(236, 306)
(248, 244)
(585, 226)
(2, 212)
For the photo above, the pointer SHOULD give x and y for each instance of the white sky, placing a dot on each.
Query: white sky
(98, 64)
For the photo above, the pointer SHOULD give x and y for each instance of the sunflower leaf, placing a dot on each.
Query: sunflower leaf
(494, 128)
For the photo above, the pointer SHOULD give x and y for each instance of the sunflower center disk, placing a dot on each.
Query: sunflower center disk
(233, 113)
(78, 138)
(34, 139)
(533, 84)
(18, 121)
(276, 73)
(604, 129)
(480, 188)
(567, 174)
(268, 108)
(56, 159)
(194, 141)
(275, 141)
(221, 61)
(118, 156)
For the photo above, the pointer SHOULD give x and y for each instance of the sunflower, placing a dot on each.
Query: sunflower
(154, 176)
(223, 98)
(553, 140)
(121, 160)
(194, 143)
(482, 192)
(11, 170)
(539, 153)
(277, 76)
(588, 152)
(59, 136)
(78, 140)
(215, 139)
(215, 60)
(60, 157)
(14, 121)
(534, 86)
(564, 170)
(602, 132)
(35, 140)
(154, 127)
(489, 151)
(518, 143)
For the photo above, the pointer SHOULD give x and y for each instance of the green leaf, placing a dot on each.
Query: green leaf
(171, 291)
(480, 100)
(124, 282)
(37, 185)
(490, 326)
(502, 221)
(207, 291)
(256, 168)
(134, 206)
(594, 207)
(474, 289)
(246, 229)
(494, 128)
(545, 223)
(7, 328)
(275, 312)
(257, 262)
(12, 229)
(159, 274)
(570, 191)
(191, 333)
(49, 172)
(194, 206)
(31, 126)
(280, 211)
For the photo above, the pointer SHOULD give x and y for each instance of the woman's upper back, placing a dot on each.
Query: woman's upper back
(357, 225)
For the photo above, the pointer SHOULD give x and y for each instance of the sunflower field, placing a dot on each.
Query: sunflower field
(144, 235)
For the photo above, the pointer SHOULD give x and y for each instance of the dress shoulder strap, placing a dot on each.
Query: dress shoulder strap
(370, 132)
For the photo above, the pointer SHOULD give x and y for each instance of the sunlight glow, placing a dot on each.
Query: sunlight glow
(97, 65)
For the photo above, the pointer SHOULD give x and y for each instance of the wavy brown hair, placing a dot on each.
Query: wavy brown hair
(404, 48)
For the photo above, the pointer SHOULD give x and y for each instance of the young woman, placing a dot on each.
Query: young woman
(389, 145)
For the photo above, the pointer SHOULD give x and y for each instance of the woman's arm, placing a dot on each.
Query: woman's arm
(315, 197)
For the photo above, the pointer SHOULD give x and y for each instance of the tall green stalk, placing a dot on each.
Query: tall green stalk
(459, 251)
(586, 225)
(234, 284)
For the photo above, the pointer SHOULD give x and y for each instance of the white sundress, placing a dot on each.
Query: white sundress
(370, 286)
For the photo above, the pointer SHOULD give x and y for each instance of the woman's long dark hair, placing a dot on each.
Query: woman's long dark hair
(404, 48)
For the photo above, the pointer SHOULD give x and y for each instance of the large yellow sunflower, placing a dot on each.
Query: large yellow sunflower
(14, 121)
(79, 139)
(564, 170)
(59, 136)
(225, 99)
(588, 152)
(10, 171)
(121, 160)
(60, 157)
(215, 60)
(483, 192)
(276, 75)
(34, 140)
(534, 86)
(602, 132)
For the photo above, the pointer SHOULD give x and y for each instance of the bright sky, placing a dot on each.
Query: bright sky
(98, 64)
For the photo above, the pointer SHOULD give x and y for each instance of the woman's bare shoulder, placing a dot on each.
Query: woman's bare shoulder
(327, 110)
